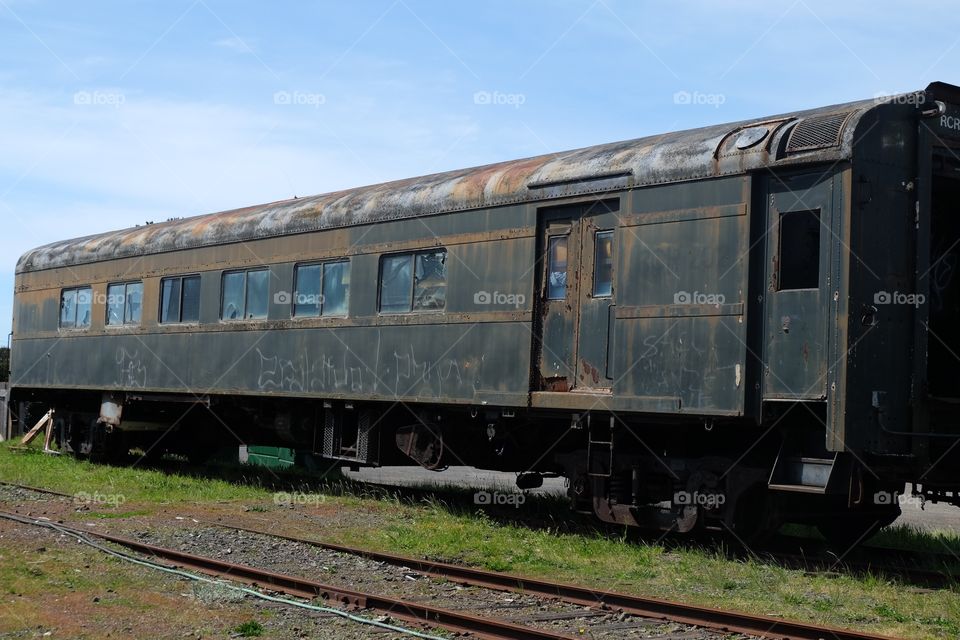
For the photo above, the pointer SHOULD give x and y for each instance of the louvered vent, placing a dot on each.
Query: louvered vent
(817, 132)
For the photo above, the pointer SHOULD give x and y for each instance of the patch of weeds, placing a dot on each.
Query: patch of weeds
(249, 629)
(889, 613)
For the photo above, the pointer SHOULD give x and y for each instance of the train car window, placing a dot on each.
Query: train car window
(75, 308)
(557, 268)
(170, 296)
(430, 281)
(190, 307)
(603, 264)
(799, 250)
(233, 305)
(134, 311)
(124, 303)
(116, 300)
(180, 299)
(336, 288)
(414, 282)
(322, 289)
(246, 295)
(258, 294)
(396, 283)
(308, 297)
(68, 308)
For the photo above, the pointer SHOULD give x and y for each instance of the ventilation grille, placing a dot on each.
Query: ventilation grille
(817, 132)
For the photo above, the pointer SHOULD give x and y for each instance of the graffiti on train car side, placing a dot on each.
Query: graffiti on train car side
(398, 374)
(131, 370)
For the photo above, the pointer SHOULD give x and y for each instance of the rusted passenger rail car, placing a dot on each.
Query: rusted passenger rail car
(734, 326)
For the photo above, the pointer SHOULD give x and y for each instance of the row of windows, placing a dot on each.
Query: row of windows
(124, 305)
(415, 281)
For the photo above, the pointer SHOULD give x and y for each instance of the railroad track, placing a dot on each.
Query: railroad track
(648, 608)
(644, 609)
(818, 560)
(487, 628)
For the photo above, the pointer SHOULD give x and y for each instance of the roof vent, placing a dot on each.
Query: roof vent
(817, 132)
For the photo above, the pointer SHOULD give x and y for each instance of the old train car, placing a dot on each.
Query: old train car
(730, 327)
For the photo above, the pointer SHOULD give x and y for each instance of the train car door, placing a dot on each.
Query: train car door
(797, 303)
(578, 244)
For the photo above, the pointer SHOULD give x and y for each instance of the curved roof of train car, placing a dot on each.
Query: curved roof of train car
(726, 149)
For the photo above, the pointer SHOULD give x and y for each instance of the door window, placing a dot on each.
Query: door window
(603, 264)
(557, 268)
(799, 250)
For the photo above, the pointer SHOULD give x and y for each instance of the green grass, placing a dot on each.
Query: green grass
(62, 473)
(908, 538)
(249, 629)
(899, 537)
(541, 539)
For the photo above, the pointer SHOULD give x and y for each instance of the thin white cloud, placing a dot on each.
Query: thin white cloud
(236, 43)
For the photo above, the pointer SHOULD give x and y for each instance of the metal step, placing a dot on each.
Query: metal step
(802, 474)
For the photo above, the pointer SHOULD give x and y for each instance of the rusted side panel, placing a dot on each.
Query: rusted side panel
(452, 363)
(680, 332)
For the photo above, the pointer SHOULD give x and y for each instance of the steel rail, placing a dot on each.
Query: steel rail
(37, 489)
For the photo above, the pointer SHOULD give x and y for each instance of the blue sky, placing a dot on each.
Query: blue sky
(115, 113)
